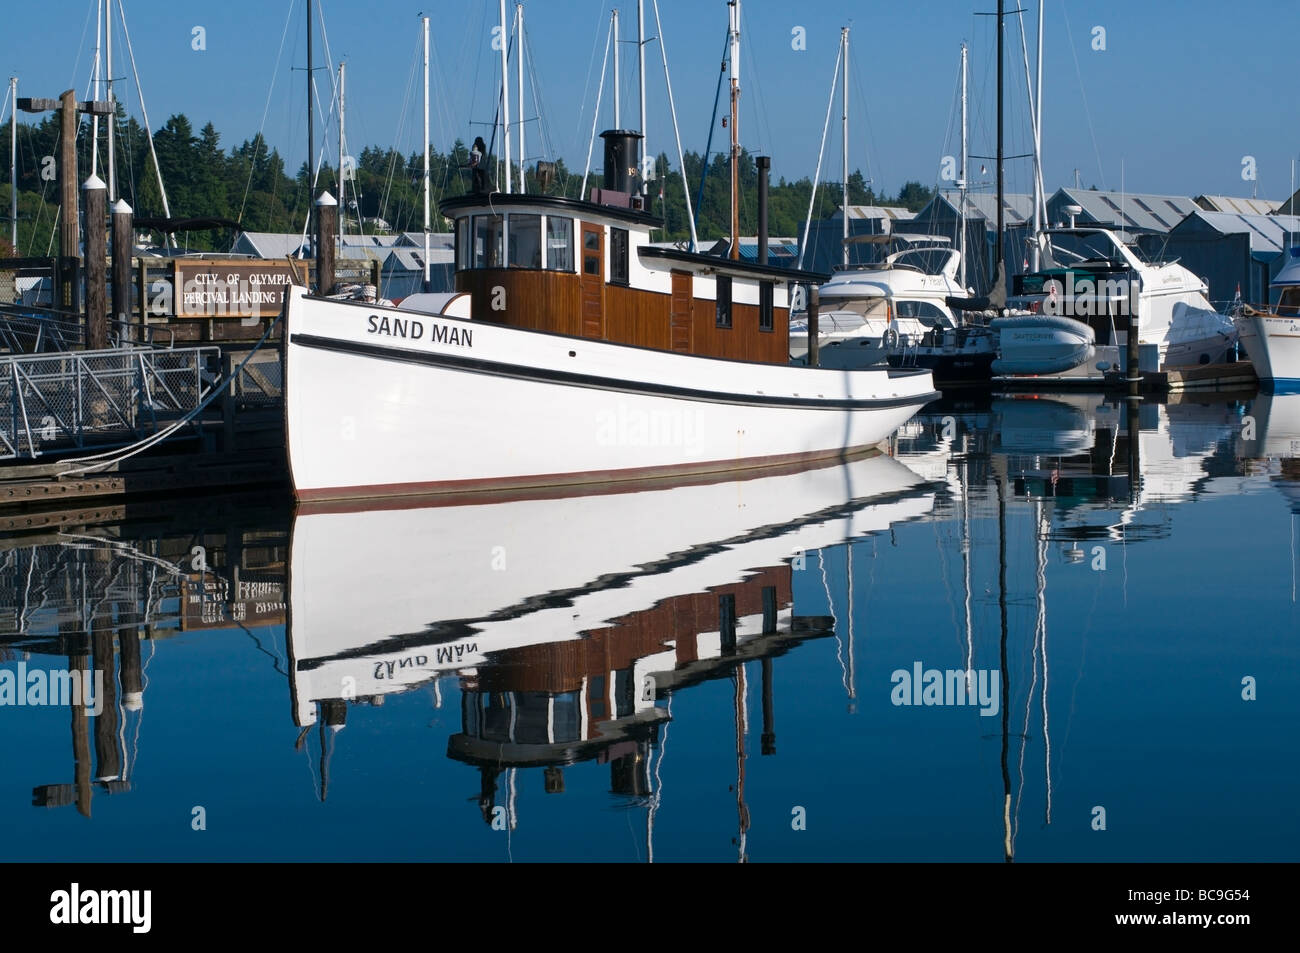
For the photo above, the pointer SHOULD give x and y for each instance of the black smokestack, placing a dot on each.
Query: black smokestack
(622, 160)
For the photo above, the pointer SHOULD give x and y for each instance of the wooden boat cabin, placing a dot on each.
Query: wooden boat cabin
(588, 269)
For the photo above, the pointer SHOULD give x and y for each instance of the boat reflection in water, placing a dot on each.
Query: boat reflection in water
(569, 621)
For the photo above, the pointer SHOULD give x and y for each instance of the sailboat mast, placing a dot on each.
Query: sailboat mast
(735, 133)
(614, 27)
(13, 164)
(999, 264)
(505, 96)
(343, 206)
(112, 116)
(1039, 197)
(425, 23)
(311, 115)
(962, 182)
(640, 75)
(844, 134)
(96, 74)
(519, 72)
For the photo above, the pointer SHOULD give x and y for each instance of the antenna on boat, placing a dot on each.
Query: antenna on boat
(505, 97)
(734, 45)
(425, 23)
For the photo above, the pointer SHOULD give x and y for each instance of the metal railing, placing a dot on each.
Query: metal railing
(77, 399)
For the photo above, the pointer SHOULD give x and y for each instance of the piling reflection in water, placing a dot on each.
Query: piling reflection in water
(98, 601)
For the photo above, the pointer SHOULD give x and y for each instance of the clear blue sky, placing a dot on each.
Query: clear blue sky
(1181, 94)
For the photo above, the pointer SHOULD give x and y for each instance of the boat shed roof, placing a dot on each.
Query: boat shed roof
(1131, 211)
(1017, 208)
(1270, 235)
(1239, 206)
(270, 244)
(893, 212)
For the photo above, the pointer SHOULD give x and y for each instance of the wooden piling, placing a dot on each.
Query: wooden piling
(79, 661)
(108, 754)
(67, 175)
(123, 246)
(768, 739)
(96, 264)
(769, 610)
(727, 622)
(326, 233)
(131, 671)
(66, 292)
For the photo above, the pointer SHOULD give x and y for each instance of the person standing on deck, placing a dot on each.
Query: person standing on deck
(477, 165)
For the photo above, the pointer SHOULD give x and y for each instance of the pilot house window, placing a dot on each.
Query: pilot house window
(765, 306)
(525, 241)
(559, 244)
(723, 311)
(488, 233)
(618, 271)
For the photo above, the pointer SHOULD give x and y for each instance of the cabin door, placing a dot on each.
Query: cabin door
(679, 321)
(592, 278)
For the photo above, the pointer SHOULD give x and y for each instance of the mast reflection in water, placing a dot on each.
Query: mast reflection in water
(692, 672)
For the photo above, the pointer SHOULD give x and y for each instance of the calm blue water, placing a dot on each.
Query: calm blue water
(553, 679)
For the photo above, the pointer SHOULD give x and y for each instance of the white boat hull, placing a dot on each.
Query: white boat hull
(448, 587)
(381, 402)
(1273, 345)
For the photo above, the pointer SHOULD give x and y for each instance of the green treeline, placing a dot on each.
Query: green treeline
(251, 184)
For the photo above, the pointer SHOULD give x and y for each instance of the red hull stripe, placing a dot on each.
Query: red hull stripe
(555, 485)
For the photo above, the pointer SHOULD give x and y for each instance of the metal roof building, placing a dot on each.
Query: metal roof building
(1238, 206)
(1229, 251)
(823, 244)
(942, 215)
(1134, 212)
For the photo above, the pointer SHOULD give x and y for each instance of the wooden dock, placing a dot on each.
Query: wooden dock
(1234, 377)
(36, 495)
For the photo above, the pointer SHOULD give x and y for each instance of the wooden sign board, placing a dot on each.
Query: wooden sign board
(229, 289)
(210, 603)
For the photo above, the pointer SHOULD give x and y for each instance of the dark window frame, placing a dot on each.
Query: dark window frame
(590, 253)
(766, 306)
(562, 224)
(722, 303)
(619, 252)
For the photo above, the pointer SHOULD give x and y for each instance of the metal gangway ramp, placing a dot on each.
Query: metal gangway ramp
(70, 400)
